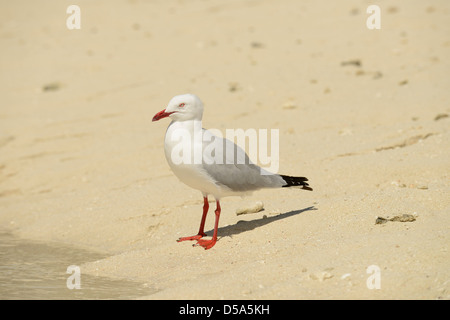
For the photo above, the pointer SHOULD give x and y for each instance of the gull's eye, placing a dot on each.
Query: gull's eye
(181, 105)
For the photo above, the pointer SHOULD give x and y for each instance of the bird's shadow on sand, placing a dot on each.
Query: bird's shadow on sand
(243, 226)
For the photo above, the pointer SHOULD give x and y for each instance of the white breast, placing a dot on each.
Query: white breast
(183, 150)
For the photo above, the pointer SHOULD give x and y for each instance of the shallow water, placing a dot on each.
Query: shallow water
(38, 270)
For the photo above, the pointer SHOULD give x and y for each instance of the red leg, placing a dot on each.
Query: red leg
(208, 244)
(201, 233)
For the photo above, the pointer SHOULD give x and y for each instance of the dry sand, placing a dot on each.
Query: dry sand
(364, 114)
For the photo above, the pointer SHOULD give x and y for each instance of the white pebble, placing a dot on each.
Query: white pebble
(256, 207)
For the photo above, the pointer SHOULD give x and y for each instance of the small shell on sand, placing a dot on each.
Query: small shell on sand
(402, 218)
(253, 208)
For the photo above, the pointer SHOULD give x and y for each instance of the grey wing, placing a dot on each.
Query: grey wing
(230, 166)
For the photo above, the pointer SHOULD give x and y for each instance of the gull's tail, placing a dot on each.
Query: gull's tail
(299, 182)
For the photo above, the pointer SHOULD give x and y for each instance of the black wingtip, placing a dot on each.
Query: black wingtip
(299, 182)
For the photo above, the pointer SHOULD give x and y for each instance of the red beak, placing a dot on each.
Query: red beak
(160, 115)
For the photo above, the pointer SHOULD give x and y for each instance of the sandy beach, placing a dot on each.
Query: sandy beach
(363, 113)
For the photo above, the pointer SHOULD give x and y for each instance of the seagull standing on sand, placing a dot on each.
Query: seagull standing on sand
(227, 171)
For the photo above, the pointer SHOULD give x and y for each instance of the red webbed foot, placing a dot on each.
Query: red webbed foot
(207, 244)
(196, 237)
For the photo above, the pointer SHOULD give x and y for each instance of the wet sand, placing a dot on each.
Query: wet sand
(36, 270)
